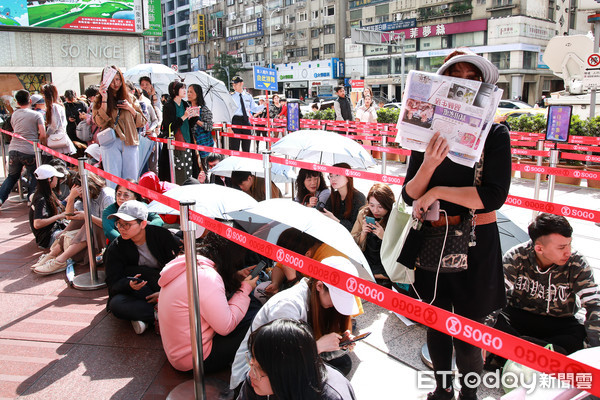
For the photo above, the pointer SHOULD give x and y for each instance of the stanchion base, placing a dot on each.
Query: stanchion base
(17, 199)
(426, 358)
(84, 281)
(215, 390)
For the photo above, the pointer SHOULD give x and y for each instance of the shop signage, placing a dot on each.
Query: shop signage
(444, 29)
(390, 26)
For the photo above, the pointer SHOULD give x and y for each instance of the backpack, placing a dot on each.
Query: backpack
(84, 131)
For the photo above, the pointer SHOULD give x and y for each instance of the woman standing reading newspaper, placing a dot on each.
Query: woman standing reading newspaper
(478, 290)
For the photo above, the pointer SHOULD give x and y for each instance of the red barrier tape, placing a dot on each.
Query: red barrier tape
(580, 157)
(574, 173)
(250, 137)
(554, 208)
(457, 326)
(578, 147)
(525, 152)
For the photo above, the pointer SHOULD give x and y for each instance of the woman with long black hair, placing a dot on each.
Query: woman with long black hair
(284, 361)
(311, 189)
(200, 125)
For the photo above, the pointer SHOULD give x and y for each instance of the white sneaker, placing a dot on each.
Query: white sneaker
(51, 266)
(139, 326)
(43, 258)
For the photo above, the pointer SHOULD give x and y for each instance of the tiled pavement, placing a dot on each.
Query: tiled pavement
(60, 343)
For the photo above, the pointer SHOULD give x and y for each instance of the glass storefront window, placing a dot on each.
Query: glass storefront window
(431, 64)
(501, 59)
(378, 67)
(410, 63)
(530, 60)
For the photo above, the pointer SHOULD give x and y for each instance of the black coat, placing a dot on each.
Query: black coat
(122, 256)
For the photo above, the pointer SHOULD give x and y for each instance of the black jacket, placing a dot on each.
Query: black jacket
(169, 118)
(121, 259)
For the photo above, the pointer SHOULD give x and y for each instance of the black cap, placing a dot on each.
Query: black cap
(237, 79)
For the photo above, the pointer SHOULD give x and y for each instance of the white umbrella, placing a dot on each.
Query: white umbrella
(216, 95)
(211, 200)
(323, 147)
(160, 74)
(269, 218)
(279, 172)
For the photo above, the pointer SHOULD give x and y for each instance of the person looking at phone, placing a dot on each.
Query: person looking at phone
(276, 367)
(369, 228)
(224, 288)
(73, 242)
(115, 108)
(133, 262)
(324, 307)
(345, 201)
(311, 189)
(201, 124)
(479, 290)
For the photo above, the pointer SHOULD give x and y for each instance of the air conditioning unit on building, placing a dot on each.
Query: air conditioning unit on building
(444, 7)
(277, 27)
(266, 45)
(292, 42)
(258, 15)
(286, 43)
(301, 4)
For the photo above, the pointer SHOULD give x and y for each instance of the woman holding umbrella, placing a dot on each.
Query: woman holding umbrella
(201, 125)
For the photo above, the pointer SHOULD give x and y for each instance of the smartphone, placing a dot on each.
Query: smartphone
(121, 101)
(261, 265)
(370, 220)
(135, 279)
(356, 339)
(433, 213)
(69, 214)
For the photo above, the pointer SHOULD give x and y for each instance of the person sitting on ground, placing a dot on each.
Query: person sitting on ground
(73, 240)
(327, 310)
(211, 161)
(369, 235)
(345, 201)
(253, 185)
(224, 287)
(122, 194)
(46, 214)
(30, 125)
(311, 189)
(133, 263)
(278, 368)
(63, 187)
(545, 281)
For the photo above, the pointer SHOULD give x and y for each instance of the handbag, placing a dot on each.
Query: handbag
(108, 135)
(58, 140)
(445, 248)
(84, 131)
(396, 231)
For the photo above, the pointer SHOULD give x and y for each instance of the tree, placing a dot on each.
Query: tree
(226, 68)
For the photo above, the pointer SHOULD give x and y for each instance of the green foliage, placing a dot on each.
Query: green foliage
(328, 113)
(220, 72)
(527, 123)
(593, 127)
(388, 115)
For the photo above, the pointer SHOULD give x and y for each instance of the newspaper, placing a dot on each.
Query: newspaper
(108, 75)
(461, 110)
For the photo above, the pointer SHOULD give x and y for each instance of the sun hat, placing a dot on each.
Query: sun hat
(488, 70)
(131, 210)
(344, 302)
(94, 151)
(46, 171)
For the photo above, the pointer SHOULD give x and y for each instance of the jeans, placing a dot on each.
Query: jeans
(16, 162)
(120, 160)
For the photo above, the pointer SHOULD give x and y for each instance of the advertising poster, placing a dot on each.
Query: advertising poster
(93, 15)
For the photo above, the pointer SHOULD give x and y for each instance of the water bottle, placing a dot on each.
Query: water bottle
(70, 270)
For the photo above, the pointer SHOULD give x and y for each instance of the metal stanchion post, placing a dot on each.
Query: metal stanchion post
(218, 137)
(267, 166)
(538, 177)
(226, 144)
(4, 165)
(38, 155)
(185, 390)
(171, 150)
(94, 279)
(552, 178)
(383, 154)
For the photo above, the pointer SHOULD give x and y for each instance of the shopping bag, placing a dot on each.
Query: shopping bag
(396, 231)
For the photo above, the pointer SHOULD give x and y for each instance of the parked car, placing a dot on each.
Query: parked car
(508, 105)
(393, 105)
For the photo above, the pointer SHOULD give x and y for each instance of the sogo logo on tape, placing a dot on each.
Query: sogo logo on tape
(289, 259)
(364, 291)
(539, 359)
(236, 237)
(407, 309)
(455, 327)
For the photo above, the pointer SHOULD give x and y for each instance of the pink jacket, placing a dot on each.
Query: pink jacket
(218, 315)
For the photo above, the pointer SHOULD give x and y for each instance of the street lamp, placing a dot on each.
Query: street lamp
(275, 10)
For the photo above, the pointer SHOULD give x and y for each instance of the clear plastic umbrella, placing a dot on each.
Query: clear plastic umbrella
(323, 147)
(211, 200)
(269, 218)
(216, 95)
(160, 74)
(279, 173)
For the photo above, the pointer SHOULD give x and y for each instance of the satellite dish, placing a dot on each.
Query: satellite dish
(567, 57)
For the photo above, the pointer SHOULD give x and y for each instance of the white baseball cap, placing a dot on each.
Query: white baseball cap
(46, 171)
(344, 302)
(488, 70)
(131, 210)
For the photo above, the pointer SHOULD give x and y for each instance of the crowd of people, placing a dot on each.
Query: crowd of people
(253, 324)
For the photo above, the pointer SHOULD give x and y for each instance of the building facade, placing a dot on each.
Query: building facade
(174, 48)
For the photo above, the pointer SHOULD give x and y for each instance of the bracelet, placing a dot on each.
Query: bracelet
(104, 102)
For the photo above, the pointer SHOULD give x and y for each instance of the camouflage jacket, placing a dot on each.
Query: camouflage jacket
(556, 292)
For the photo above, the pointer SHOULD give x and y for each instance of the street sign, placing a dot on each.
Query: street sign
(265, 78)
(358, 85)
(174, 67)
(591, 74)
(594, 60)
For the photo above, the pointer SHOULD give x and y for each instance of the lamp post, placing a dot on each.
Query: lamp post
(273, 11)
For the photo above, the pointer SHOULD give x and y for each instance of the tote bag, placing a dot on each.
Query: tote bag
(395, 234)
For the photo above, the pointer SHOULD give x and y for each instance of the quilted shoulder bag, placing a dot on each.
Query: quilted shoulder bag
(108, 135)
(58, 140)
